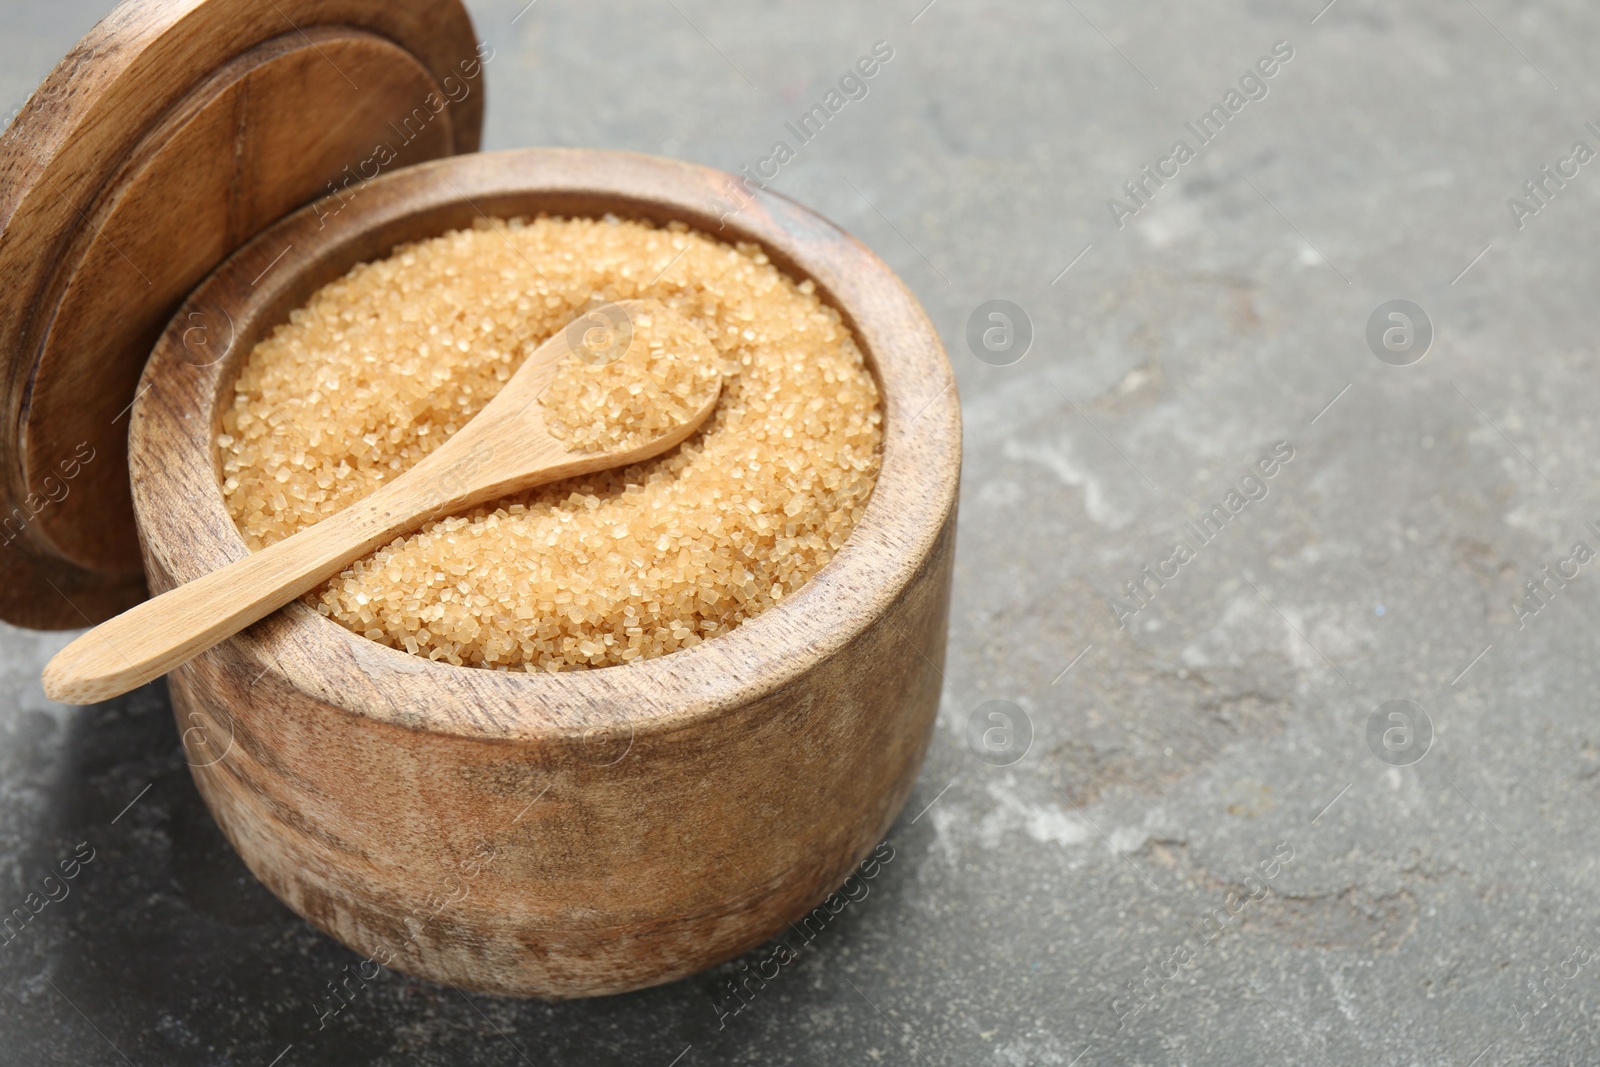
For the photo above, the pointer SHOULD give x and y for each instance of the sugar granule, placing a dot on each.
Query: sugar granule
(384, 364)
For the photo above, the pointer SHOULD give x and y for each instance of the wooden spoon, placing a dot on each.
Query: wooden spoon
(506, 448)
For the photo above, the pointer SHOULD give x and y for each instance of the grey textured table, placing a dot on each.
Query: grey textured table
(1220, 847)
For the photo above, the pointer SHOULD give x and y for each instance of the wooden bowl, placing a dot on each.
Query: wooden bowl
(579, 833)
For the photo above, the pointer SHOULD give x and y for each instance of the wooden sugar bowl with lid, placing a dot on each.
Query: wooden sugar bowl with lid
(552, 835)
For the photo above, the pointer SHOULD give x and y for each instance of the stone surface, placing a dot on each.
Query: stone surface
(1223, 728)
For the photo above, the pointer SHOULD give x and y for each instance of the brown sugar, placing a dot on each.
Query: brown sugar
(655, 369)
(385, 363)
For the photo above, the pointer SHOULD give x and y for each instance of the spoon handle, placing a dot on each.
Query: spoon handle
(152, 638)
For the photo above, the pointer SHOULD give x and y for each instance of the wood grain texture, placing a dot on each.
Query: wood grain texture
(506, 448)
(592, 831)
(175, 131)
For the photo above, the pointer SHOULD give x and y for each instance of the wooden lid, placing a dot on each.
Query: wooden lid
(173, 133)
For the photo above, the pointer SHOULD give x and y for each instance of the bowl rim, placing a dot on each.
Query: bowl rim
(185, 528)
